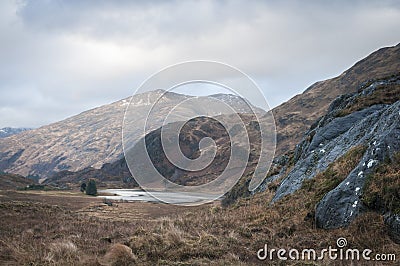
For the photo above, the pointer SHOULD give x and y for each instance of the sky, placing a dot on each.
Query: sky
(59, 58)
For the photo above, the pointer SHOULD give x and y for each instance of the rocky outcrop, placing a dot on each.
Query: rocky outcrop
(349, 122)
(328, 143)
(381, 132)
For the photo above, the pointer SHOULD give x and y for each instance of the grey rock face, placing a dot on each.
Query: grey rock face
(330, 142)
(339, 206)
(392, 222)
(376, 127)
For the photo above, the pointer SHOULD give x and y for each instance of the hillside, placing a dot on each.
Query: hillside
(90, 139)
(11, 181)
(295, 116)
(111, 175)
(348, 160)
(116, 174)
(190, 136)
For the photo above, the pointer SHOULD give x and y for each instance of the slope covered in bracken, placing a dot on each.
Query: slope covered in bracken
(12, 181)
(295, 116)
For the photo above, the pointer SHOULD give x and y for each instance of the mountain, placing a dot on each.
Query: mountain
(117, 174)
(295, 116)
(349, 158)
(190, 136)
(90, 139)
(9, 131)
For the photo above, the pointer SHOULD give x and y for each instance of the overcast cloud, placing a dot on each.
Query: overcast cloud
(59, 58)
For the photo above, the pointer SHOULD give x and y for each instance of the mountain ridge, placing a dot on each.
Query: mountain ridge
(89, 139)
(295, 116)
(92, 138)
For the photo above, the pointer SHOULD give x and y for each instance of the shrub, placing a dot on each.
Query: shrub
(119, 254)
(62, 250)
(91, 188)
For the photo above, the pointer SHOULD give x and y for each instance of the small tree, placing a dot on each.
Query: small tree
(83, 187)
(91, 188)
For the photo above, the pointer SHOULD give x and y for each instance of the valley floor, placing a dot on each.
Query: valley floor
(69, 228)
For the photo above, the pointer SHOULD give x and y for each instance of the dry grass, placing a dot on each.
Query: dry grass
(63, 249)
(34, 233)
(42, 234)
(233, 235)
(383, 94)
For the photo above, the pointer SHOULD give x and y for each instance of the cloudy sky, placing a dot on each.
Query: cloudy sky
(59, 58)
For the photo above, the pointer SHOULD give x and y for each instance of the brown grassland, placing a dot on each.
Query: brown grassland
(34, 232)
(69, 228)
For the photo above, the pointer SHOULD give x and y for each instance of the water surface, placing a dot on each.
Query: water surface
(171, 197)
